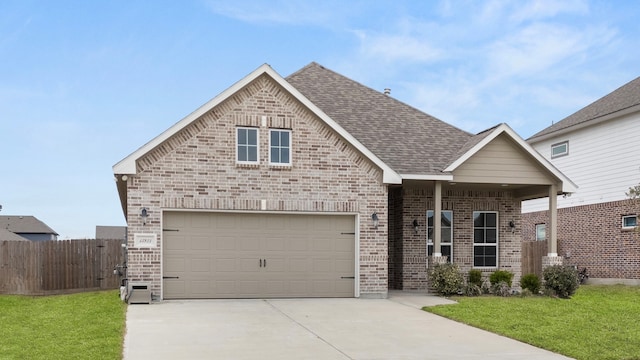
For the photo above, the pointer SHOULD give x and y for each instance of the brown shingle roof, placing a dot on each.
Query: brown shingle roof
(25, 225)
(406, 139)
(620, 99)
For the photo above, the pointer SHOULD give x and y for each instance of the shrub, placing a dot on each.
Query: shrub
(501, 289)
(561, 280)
(501, 275)
(530, 282)
(475, 277)
(526, 293)
(446, 279)
(472, 290)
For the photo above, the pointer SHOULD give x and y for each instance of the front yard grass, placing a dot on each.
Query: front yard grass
(598, 322)
(78, 326)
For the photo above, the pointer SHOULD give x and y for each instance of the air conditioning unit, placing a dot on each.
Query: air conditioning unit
(139, 293)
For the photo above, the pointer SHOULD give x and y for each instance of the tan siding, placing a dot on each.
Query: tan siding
(501, 162)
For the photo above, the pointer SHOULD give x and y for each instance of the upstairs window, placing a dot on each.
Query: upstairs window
(247, 145)
(280, 147)
(560, 149)
(629, 221)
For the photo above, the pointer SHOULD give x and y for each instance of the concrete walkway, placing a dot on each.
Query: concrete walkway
(392, 328)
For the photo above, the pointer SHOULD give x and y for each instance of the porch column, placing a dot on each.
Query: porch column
(437, 219)
(553, 221)
(552, 257)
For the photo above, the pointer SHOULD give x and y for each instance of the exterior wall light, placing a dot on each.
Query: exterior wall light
(375, 220)
(144, 213)
(512, 225)
(416, 226)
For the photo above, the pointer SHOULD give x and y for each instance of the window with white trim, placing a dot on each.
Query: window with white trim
(485, 239)
(247, 145)
(279, 147)
(629, 221)
(541, 232)
(560, 149)
(446, 233)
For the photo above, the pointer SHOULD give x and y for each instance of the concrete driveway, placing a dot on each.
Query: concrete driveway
(393, 328)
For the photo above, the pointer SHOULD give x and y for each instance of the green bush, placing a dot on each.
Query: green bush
(530, 282)
(472, 290)
(446, 279)
(561, 280)
(501, 289)
(475, 277)
(501, 275)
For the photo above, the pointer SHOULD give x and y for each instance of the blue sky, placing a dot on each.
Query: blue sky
(85, 83)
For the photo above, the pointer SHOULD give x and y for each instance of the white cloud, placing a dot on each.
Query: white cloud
(322, 13)
(398, 47)
(540, 9)
(542, 47)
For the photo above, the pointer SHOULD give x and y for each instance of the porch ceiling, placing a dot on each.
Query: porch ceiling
(520, 191)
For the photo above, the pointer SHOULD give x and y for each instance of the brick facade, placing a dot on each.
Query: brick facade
(196, 169)
(415, 201)
(591, 236)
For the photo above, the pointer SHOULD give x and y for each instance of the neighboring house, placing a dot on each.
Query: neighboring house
(111, 232)
(317, 186)
(8, 235)
(599, 148)
(28, 227)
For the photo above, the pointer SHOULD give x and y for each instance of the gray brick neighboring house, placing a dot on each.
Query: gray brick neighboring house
(27, 227)
(317, 186)
(599, 148)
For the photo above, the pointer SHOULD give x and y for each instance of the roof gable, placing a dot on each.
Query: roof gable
(128, 164)
(25, 225)
(520, 157)
(408, 140)
(622, 101)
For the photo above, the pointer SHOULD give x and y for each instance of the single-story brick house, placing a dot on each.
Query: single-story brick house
(314, 185)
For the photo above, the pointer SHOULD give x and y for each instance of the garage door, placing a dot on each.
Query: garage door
(239, 255)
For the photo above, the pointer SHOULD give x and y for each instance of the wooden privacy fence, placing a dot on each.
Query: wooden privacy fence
(532, 253)
(55, 267)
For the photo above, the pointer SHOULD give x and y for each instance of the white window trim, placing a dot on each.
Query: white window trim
(497, 245)
(449, 243)
(290, 148)
(545, 231)
(257, 130)
(565, 153)
(629, 227)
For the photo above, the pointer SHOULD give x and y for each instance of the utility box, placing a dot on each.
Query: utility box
(139, 293)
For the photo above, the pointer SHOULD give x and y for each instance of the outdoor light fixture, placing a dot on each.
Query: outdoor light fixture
(144, 213)
(512, 225)
(375, 220)
(415, 226)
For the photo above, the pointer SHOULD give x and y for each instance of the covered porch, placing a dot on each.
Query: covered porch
(478, 201)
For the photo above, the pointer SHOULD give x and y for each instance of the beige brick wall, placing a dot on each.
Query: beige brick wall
(196, 169)
(416, 202)
(591, 236)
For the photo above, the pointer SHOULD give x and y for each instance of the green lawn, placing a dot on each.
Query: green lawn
(78, 326)
(598, 322)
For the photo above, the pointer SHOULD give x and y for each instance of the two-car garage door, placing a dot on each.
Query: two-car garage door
(249, 255)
